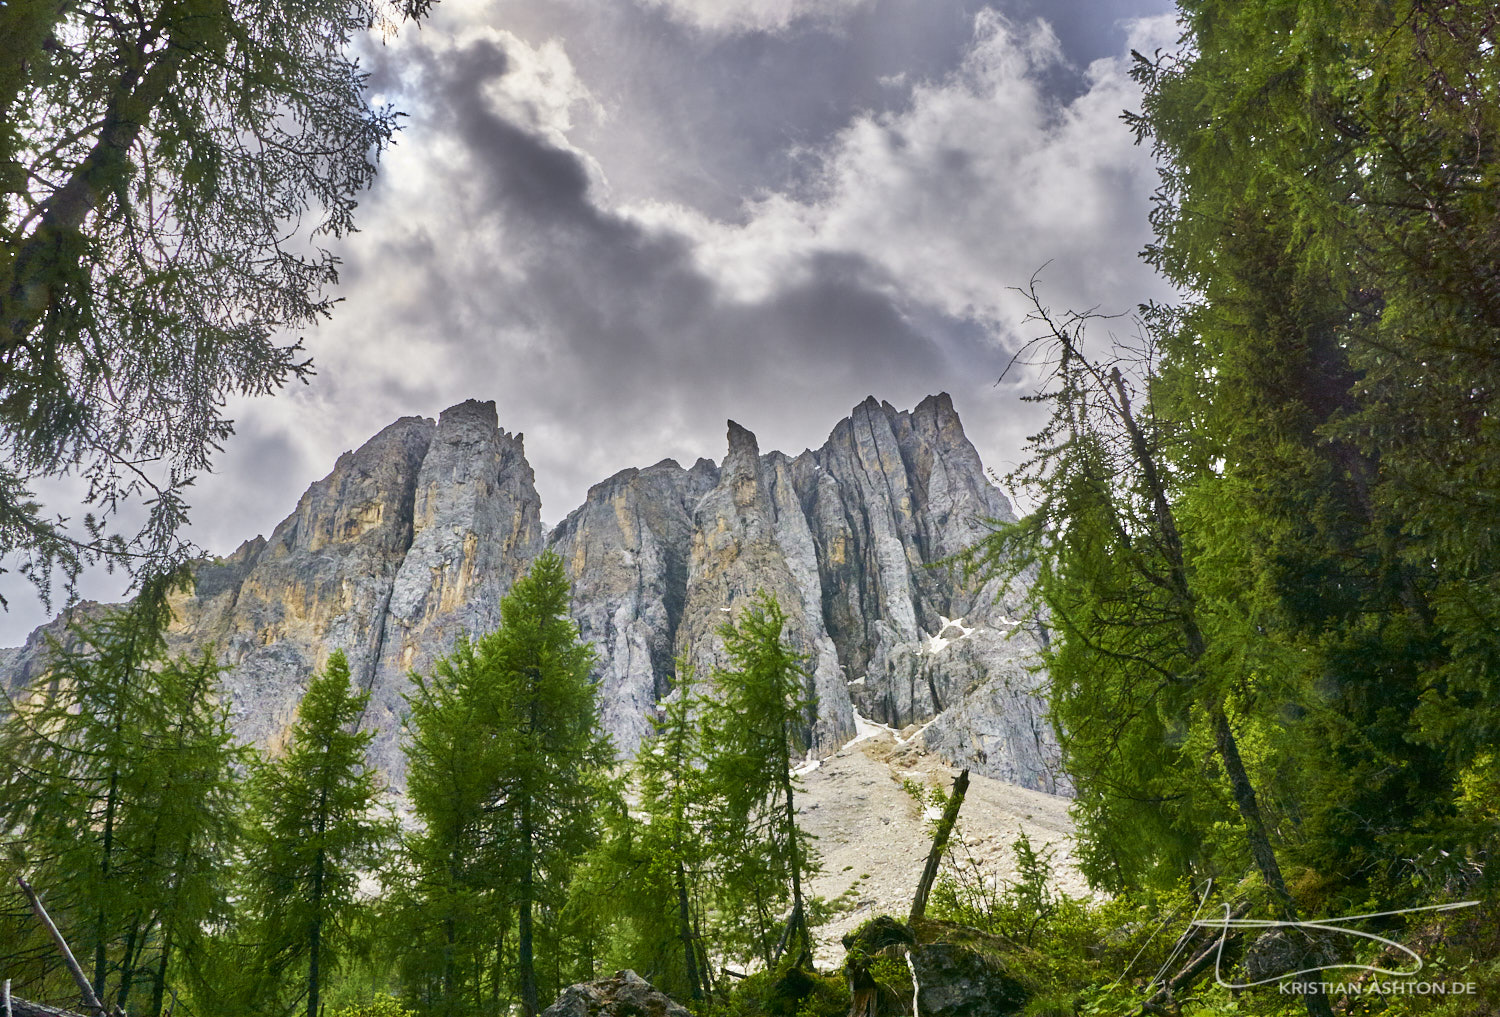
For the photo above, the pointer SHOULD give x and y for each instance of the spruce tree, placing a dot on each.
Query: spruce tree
(318, 824)
(1329, 200)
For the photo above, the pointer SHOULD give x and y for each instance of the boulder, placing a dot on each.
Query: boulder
(957, 971)
(626, 994)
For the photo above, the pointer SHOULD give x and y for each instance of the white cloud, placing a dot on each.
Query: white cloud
(727, 17)
(970, 188)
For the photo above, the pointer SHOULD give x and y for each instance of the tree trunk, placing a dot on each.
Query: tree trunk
(90, 998)
(159, 979)
(685, 930)
(1195, 645)
(525, 961)
(939, 846)
(127, 963)
(797, 924)
(101, 917)
(315, 926)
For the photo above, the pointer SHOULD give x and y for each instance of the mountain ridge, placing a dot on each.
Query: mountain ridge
(413, 538)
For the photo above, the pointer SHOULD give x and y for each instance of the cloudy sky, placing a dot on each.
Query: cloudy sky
(628, 220)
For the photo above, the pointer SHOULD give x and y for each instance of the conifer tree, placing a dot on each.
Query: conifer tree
(187, 782)
(507, 763)
(318, 823)
(1330, 181)
(755, 729)
(646, 886)
(450, 894)
(673, 798)
(1147, 675)
(121, 798)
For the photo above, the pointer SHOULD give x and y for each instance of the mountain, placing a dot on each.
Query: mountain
(413, 538)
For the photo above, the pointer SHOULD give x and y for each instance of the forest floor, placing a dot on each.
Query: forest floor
(873, 836)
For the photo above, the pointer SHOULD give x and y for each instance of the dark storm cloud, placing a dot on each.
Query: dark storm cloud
(625, 227)
(604, 322)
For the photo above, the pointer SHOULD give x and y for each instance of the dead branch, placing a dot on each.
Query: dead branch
(939, 846)
(87, 990)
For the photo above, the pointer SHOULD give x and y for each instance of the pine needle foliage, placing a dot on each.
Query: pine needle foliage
(506, 766)
(764, 702)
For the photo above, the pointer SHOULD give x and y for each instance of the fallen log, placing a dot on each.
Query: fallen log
(26, 1008)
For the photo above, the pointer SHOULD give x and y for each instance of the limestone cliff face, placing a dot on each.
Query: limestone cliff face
(627, 549)
(476, 525)
(414, 538)
(323, 580)
(751, 537)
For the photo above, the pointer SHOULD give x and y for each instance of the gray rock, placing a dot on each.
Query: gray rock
(277, 608)
(1283, 952)
(627, 994)
(750, 537)
(957, 981)
(476, 527)
(414, 538)
(626, 549)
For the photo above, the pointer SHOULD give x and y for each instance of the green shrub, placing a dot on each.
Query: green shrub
(381, 1005)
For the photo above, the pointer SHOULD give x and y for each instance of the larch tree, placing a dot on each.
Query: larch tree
(449, 894)
(647, 886)
(169, 171)
(507, 764)
(318, 823)
(135, 750)
(552, 755)
(673, 795)
(763, 704)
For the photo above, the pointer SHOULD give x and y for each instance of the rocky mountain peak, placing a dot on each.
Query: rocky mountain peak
(414, 537)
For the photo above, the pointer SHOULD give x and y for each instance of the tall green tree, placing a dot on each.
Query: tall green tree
(168, 171)
(647, 886)
(674, 799)
(451, 890)
(764, 703)
(1330, 196)
(1150, 680)
(507, 763)
(121, 797)
(188, 783)
(318, 824)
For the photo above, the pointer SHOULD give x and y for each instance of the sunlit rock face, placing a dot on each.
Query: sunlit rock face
(413, 538)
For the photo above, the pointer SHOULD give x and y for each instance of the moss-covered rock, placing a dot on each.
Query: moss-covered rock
(957, 971)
